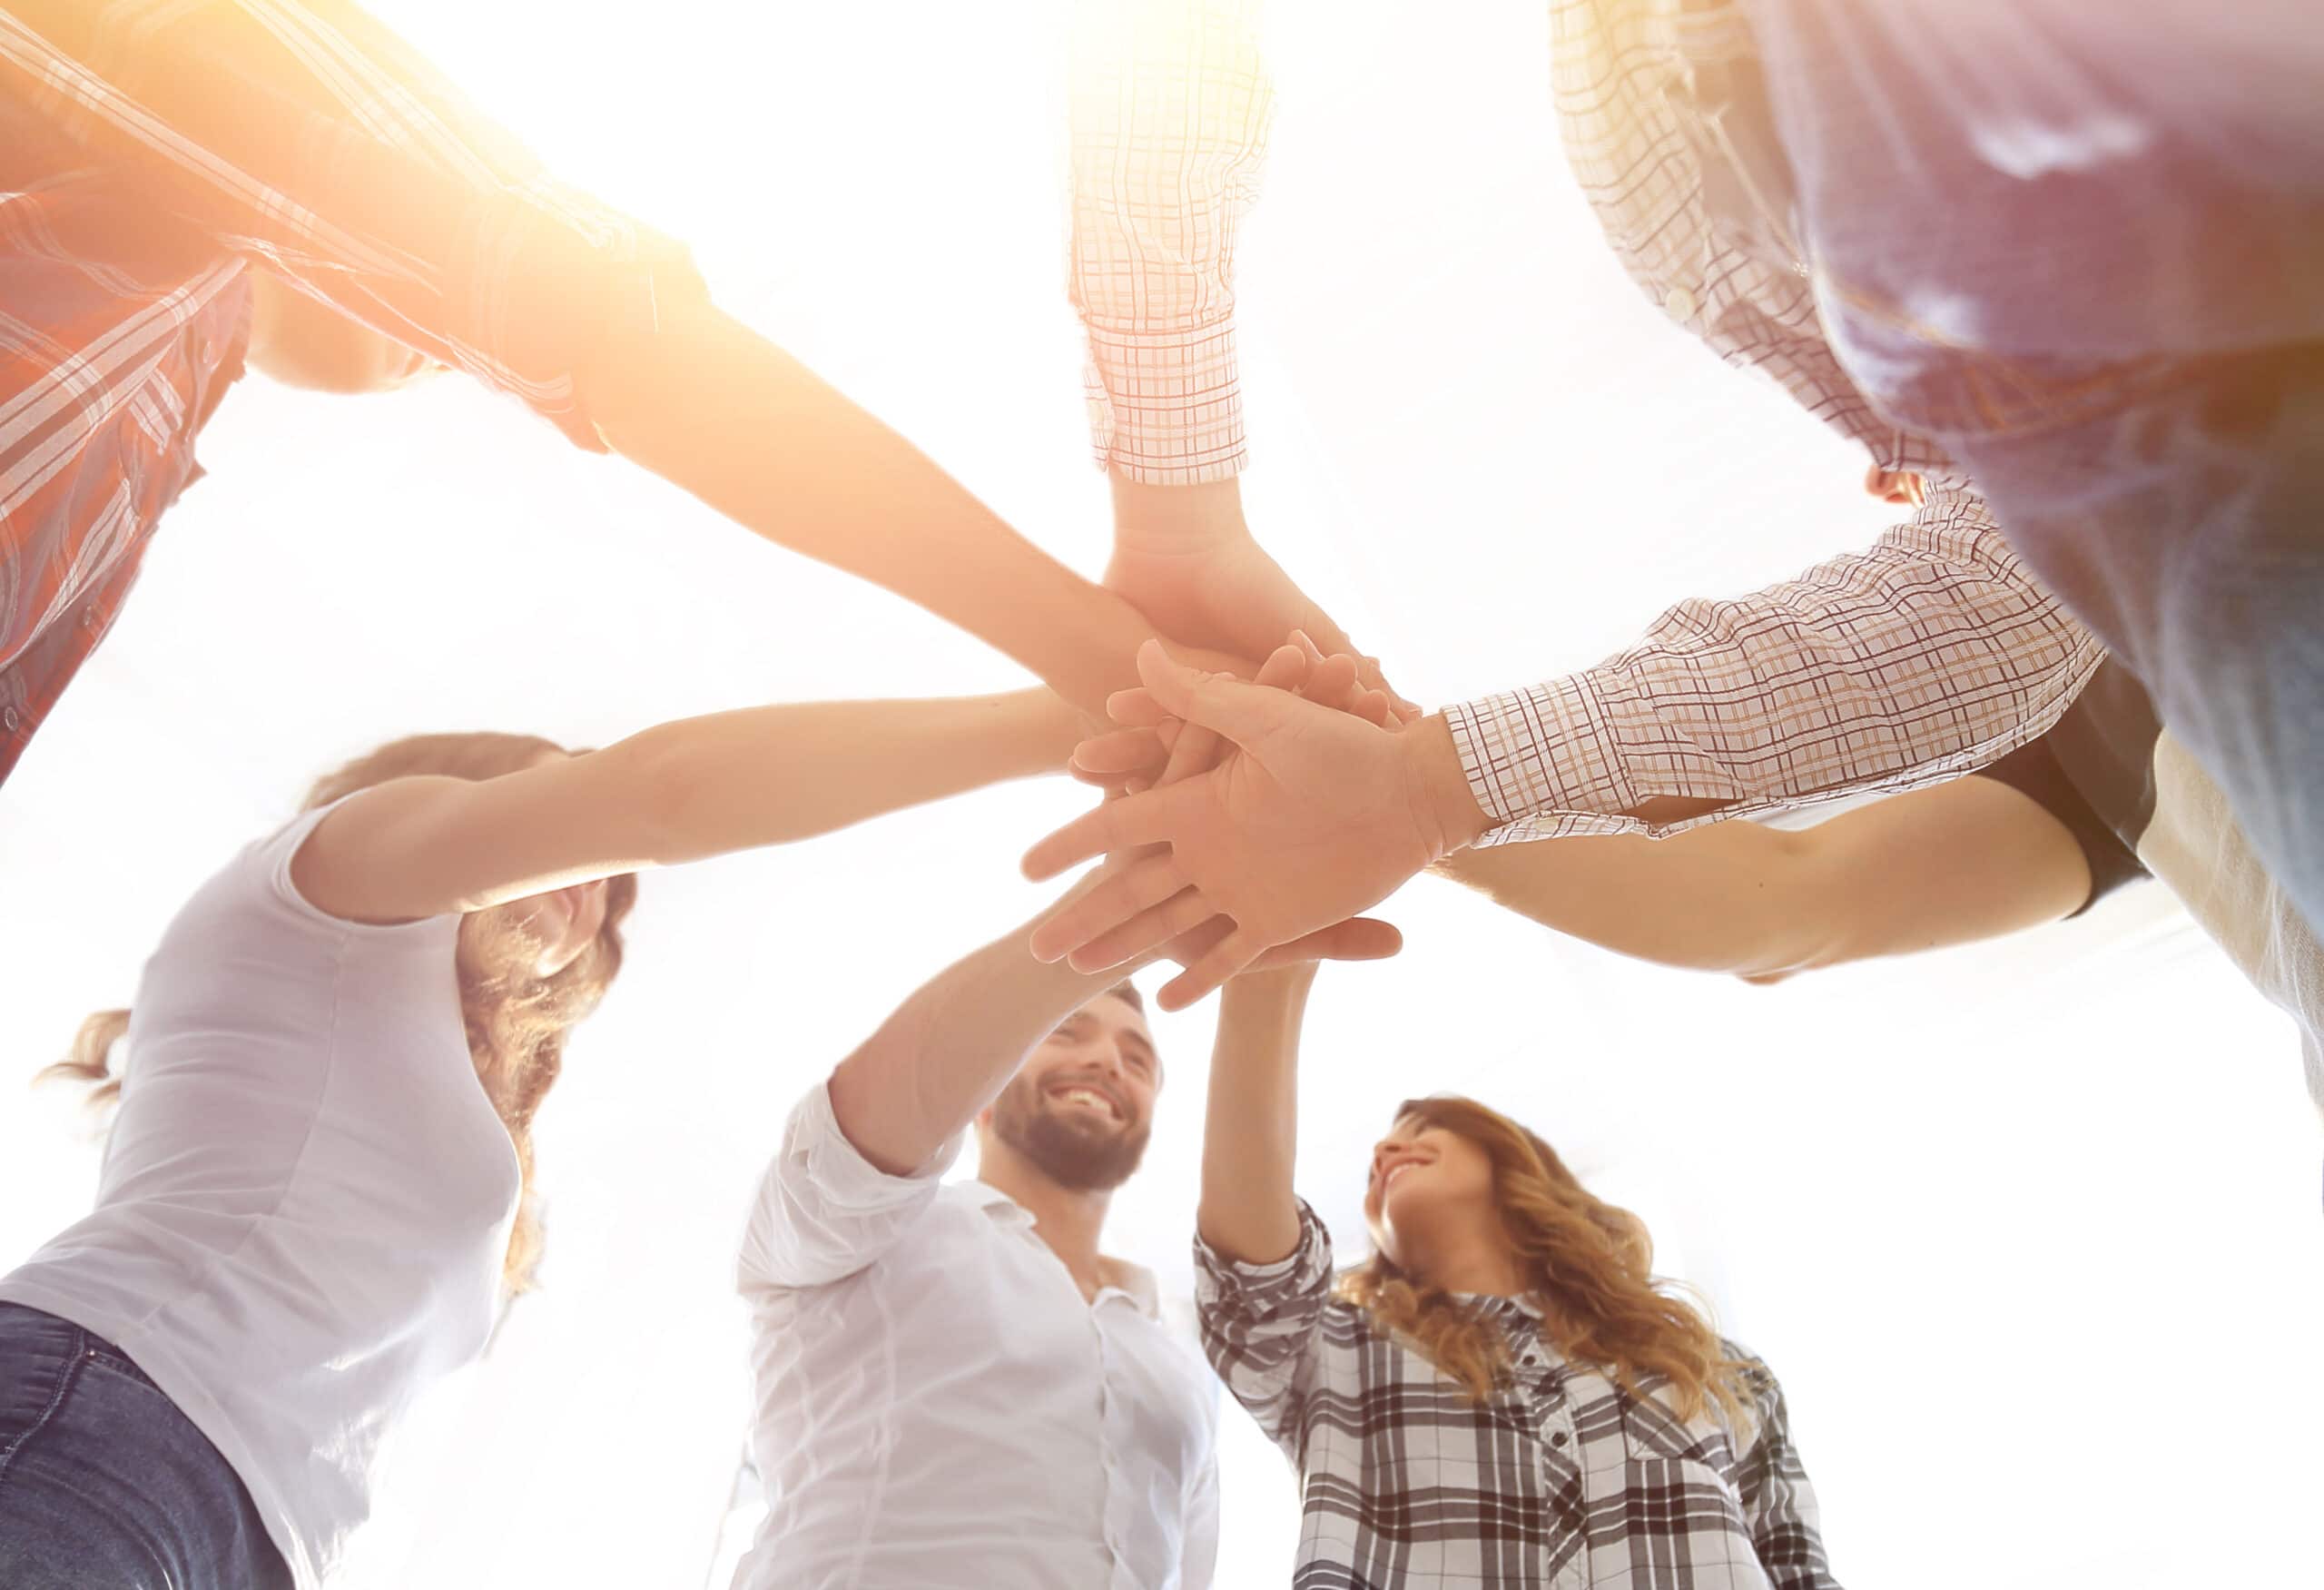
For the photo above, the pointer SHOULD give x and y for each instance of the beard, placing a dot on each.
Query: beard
(1077, 1155)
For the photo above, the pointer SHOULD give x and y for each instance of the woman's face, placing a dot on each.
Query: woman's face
(1428, 1183)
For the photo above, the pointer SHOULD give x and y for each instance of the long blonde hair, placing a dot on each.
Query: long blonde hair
(516, 1023)
(1591, 1269)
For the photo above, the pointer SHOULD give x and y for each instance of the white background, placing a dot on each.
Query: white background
(2031, 1230)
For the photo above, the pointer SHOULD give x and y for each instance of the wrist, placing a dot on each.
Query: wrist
(1445, 808)
(1090, 650)
(1043, 726)
(1177, 519)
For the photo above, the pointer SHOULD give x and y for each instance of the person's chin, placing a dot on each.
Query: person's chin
(1088, 1127)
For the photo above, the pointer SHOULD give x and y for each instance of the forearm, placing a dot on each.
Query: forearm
(1729, 897)
(1249, 1211)
(1185, 518)
(1959, 861)
(764, 775)
(950, 1049)
(714, 408)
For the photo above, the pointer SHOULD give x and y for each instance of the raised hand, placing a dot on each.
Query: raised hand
(1320, 815)
(1135, 756)
(1183, 557)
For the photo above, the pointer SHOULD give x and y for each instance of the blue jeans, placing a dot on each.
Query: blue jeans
(2082, 246)
(104, 1484)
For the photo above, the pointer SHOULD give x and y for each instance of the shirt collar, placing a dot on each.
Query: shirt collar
(1138, 1283)
(1495, 1302)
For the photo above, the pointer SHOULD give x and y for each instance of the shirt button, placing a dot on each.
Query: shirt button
(1680, 303)
(8, 719)
(1557, 1438)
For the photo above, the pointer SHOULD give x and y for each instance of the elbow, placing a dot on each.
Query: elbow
(660, 792)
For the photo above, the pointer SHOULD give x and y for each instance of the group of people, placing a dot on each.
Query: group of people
(2054, 270)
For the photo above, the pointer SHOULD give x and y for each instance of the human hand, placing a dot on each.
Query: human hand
(1183, 557)
(1320, 815)
(1898, 488)
(1133, 756)
(1176, 750)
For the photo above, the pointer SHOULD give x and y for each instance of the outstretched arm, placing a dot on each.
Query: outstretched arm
(1248, 1213)
(309, 138)
(950, 1049)
(1950, 865)
(1170, 105)
(707, 404)
(681, 791)
(863, 1154)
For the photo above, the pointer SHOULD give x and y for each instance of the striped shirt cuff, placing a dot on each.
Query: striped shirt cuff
(1166, 408)
(1541, 762)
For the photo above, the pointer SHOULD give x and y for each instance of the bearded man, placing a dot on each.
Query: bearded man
(954, 1386)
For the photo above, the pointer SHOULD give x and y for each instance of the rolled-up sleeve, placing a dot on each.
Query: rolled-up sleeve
(1772, 1484)
(311, 138)
(1170, 106)
(1929, 655)
(1262, 1325)
(824, 1211)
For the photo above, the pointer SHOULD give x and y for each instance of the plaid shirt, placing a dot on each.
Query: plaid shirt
(1933, 653)
(1562, 1479)
(147, 149)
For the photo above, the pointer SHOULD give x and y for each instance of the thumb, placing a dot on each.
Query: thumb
(1244, 714)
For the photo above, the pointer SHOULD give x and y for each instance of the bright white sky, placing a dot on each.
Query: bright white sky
(2031, 1231)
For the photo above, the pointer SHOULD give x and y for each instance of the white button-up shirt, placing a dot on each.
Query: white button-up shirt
(938, 1405)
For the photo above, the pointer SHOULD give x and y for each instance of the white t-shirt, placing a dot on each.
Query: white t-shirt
(939, 1407)
(306, 1197)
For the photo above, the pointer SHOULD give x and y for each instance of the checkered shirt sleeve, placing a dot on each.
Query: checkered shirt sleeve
(1931, 654)
(1260, 1324)
(1779, 1502)
(308, 136)
(1689, 194)
(1170, 105)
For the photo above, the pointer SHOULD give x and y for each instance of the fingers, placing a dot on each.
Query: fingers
(1135, 708)
(1108, 905)
(1359, 938)
(1333, 683)
(1221, 962)
(1286, 666)
(1146, 818)
(1193, 749)
(1121, 751)
(1405, 711)
(1166, 924)
(1242, 713)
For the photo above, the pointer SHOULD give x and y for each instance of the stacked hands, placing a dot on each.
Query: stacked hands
(1248, 824)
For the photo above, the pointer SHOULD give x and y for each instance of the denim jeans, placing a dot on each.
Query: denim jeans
(104, 1484)
(2082, 246)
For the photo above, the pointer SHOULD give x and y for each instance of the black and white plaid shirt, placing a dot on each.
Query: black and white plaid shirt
(1562, 1480)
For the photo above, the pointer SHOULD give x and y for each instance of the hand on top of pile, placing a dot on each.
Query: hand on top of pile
(1284, 808)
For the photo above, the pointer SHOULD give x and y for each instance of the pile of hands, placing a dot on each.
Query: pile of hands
(1248, 822)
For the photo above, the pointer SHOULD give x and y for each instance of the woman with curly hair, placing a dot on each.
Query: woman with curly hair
(1502, 1393)
(316, 1190)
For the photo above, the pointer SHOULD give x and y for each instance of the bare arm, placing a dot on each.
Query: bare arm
(1249, 1212)
(311, 137)
(712, 407)
(950, 1049)
(680, 792)
(1949, 864)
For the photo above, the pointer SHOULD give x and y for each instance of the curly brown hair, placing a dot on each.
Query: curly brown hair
(516, 1023)
(1591, 1268)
